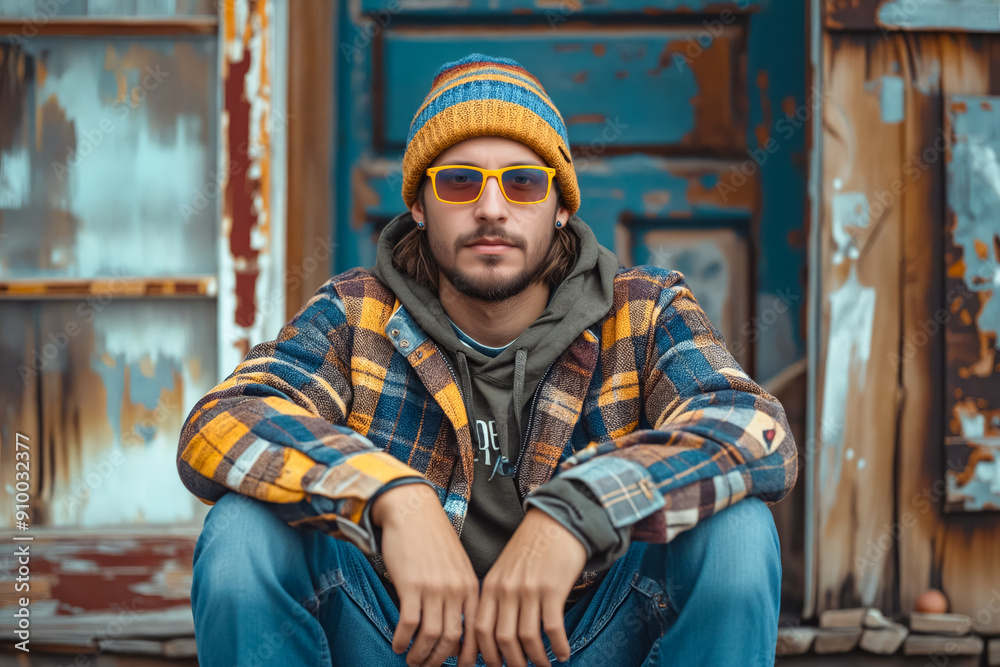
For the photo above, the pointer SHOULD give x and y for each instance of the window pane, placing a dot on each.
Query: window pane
(107, 157)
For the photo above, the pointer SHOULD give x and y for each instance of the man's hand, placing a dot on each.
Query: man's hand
(432, 575)
(527, 586)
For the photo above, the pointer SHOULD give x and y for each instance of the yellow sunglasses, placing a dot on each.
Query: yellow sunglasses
(464, 184)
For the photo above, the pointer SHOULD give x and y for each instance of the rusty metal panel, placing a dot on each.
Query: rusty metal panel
(43, 10)
(113, 379)
(686, 78)
(88, 130)
(885, 15)
(971, 314)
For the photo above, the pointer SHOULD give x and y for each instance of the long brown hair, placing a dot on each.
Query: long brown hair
(412, 253)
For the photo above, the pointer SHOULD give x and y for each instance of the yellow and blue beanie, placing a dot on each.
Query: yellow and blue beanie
(485, 96)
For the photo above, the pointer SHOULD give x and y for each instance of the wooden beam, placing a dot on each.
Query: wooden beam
(311, 83)
(63, 288)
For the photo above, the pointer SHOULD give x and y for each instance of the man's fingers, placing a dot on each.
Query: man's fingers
(451, 632)
(469, 650)
(529, 631)
(409, 619)
(555, 626)
(506, 632)
(485, 628)
(431, 625)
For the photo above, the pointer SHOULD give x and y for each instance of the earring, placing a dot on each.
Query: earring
(559, 224)
(420, 224)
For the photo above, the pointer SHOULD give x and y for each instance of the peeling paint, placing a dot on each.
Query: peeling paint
(850, 210)
(852, 317)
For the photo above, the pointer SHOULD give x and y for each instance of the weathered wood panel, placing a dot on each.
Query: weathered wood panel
(884, 146)
(958, 554)
(856, 391)
(971, 312)
(310, 149)
(938, 15)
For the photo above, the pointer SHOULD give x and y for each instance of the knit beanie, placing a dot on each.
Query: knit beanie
(486, 96)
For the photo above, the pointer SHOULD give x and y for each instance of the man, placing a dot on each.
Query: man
(497, 444)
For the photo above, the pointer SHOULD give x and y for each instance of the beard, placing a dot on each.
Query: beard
(490, 287)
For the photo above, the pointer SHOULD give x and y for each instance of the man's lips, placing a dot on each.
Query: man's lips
(490, 245)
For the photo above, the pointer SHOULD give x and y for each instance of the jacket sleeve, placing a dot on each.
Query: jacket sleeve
(275, 430)
(716, 436)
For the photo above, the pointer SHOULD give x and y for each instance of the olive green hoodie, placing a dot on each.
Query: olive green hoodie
(498, 391)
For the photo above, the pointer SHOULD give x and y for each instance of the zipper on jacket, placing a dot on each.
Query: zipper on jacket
(531, 417)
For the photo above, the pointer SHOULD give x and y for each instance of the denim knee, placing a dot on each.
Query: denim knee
(243, 547)
(730, 560)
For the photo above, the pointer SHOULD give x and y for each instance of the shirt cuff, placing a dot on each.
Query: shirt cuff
(577, 510)
(366, 535)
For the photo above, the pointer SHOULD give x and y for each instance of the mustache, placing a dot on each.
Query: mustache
(490, 232)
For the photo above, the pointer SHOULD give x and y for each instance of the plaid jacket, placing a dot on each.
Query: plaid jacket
(646, 408)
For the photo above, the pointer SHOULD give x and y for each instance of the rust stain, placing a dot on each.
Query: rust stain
(981, 250)
(957, 269)
(985, 105)
(580, 77)
(763, 129)
(959, 106)
(599, 50)
(621, 74)
(364, 196)
(963, 477)
(716, 122)
(586, 118)
(239, 202)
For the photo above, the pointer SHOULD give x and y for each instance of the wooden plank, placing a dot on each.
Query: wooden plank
(971, 318)
(956, 554)
(125, 287)
(860, 285)
(311, 59)
(936, 15)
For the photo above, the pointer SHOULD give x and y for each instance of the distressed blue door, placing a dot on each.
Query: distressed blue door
(687, 121)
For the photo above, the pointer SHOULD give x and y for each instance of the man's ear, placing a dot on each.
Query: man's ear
(562, 215)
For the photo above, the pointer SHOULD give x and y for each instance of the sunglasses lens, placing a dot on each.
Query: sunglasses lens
(526, 184)
(458, 185)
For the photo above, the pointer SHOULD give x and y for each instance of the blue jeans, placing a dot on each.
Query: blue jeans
(267, 594)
